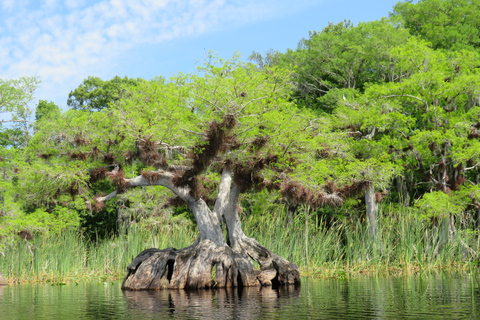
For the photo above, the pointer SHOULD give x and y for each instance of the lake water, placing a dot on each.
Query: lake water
(443, 296)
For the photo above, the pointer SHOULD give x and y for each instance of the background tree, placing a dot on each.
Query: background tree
(446, 24)
(426, 121)
(348, 74)
(47, 111)
(333, 68)
(339, 61)
(95, 94)
(15, 98)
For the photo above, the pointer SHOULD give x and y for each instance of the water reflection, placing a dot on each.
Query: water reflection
(245, 303)
(437, 296)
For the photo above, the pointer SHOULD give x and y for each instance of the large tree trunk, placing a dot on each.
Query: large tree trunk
(211, 261)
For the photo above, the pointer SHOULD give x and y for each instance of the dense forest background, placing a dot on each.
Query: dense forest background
(389, 107)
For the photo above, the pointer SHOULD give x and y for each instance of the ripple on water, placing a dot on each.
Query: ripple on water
(443, 296)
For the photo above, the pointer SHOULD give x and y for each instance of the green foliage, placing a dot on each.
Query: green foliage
(439, 205)
(16, 94)
(343, 57)
(269, 59)
(447, 24)
(37, 222)
(47, 111)
(15, 98)
(259, 203)
(12, 137)
(411, 113)
(98, 226)
(95, 94)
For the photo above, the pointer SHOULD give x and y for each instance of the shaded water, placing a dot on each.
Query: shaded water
(444, 296)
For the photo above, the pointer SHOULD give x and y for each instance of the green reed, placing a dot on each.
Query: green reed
(404, 243)
(71, 257)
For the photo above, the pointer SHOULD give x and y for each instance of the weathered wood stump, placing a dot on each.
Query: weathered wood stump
(208, 265)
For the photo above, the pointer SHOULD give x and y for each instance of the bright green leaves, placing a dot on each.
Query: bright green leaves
(170, 119)
(47, 111)
(395, 104)
(16, 94)
(95, 94)
(15, 98)
(157, 110)
(74, 132)
(48, 186)
(439, 205)
(345, 57)
(447, 24)
(434, 84)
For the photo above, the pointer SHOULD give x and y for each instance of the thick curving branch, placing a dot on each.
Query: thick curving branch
(208, 223)
(163, 178)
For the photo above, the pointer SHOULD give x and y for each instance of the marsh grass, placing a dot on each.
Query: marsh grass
(71, 257)
(406, 245)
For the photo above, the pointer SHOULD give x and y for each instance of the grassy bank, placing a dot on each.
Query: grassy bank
(406, 245)
(70, 257)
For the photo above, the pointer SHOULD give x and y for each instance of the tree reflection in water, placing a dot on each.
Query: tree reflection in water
(233, 303)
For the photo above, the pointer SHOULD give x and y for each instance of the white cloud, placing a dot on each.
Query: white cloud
(63, 42)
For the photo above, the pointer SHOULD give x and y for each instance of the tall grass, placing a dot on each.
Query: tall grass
(71, 257)
(404, 244)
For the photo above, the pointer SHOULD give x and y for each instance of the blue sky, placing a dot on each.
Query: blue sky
(64, 42)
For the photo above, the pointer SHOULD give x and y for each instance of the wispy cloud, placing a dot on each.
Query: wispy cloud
(62, 42)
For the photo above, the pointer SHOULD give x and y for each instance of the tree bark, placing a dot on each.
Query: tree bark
(211, 261)
(372, 211)
(402, 191)
(372, 218)
(446, 233)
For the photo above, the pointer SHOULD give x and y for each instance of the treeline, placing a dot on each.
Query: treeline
(400, 98)
(382, 114)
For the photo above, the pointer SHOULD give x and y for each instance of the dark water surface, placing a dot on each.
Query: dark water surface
(444, 296)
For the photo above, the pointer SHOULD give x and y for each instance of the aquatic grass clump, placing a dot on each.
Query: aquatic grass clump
(69, 256)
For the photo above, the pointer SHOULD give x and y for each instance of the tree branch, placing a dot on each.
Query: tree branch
(4, 121)
(246, 104)
(107, 197)
(164, 179)
(472, 167)
(405, 95)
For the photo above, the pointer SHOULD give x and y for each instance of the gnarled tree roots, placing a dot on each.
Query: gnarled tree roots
(207, 265)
